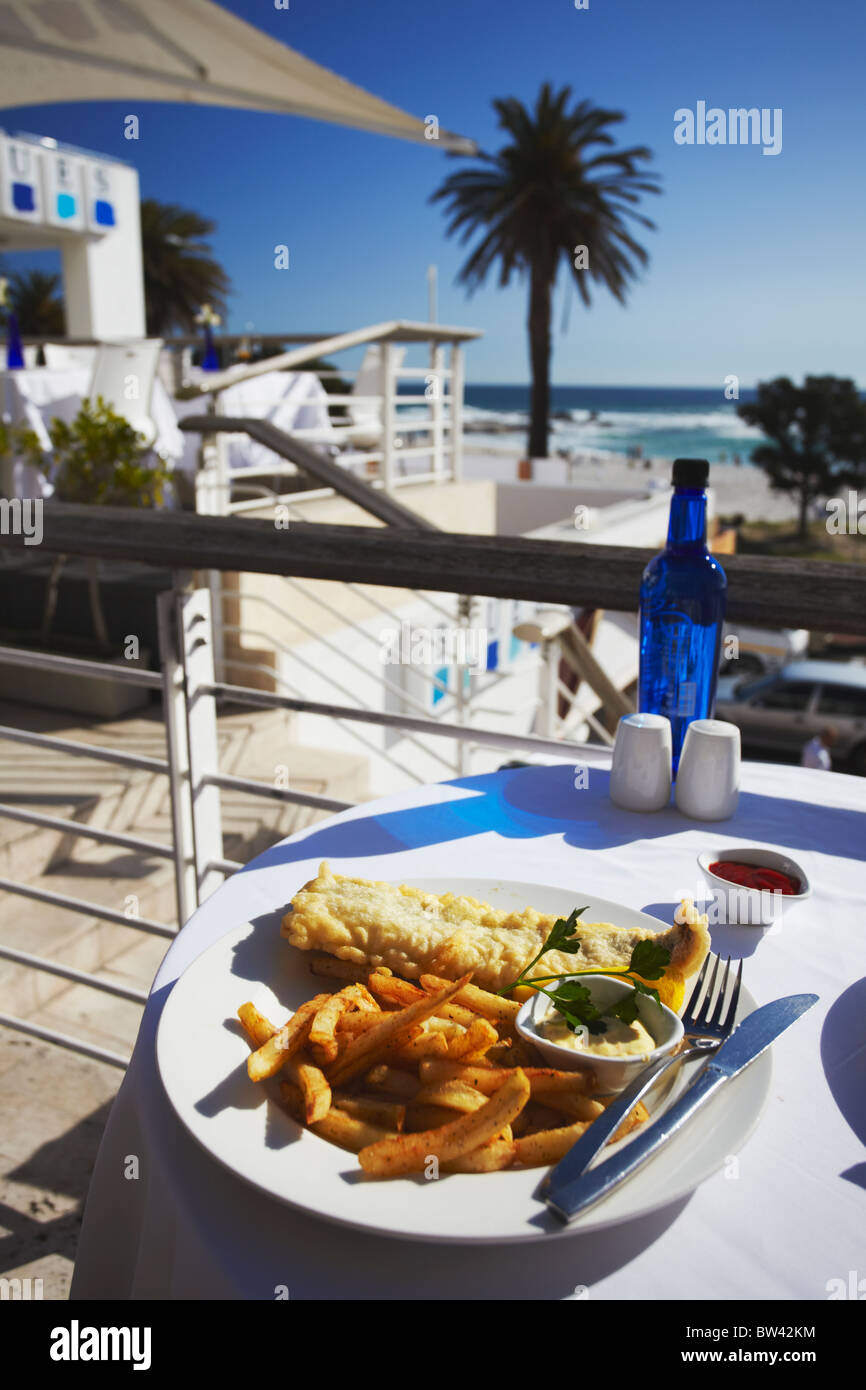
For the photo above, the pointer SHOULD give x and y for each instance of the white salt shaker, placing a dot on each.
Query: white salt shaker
(640, 775)
(708, 779)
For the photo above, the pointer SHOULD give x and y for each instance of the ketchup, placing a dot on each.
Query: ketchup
(756, 876)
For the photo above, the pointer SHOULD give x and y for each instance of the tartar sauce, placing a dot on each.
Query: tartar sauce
(618, 1040)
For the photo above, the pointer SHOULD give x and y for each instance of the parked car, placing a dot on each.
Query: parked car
(760, 650)
(781, 712)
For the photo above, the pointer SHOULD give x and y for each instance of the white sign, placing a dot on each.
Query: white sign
(20, 182)
(100, 197)
(63, 184)
(55, 188)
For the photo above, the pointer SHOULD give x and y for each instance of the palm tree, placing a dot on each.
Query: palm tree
(179, 272)
(37, 299)
(546, 194)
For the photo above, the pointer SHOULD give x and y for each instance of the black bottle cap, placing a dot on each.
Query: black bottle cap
(691, 473)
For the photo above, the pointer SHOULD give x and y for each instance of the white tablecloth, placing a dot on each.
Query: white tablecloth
(33, 396)
(789, 1221)
(289, 400)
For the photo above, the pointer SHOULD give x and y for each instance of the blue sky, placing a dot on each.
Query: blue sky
(757, 264)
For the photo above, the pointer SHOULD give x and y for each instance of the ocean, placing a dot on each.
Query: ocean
(664, 422)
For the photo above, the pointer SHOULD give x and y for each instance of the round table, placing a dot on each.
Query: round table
(781, 1220)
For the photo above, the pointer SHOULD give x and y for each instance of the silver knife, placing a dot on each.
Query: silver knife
(596, 1136)
(748, 1040)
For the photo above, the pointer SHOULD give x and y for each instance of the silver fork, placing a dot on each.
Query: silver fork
(707, 1022)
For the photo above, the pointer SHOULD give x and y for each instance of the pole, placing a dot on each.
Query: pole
(432, 308)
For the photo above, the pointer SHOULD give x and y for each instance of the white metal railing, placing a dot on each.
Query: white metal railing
(434, 436)
(468, 688)
(189, 691)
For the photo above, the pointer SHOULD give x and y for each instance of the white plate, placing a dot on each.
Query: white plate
(202, 1054)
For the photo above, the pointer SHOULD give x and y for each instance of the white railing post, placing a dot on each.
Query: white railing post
(191, 735)
(195, 619)
(389, 416)
(462, 701)
(177, 745)
(212, 497)
(437, 409)
(456, 416)
(548, 690)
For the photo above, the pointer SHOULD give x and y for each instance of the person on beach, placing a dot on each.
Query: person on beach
(816, 753)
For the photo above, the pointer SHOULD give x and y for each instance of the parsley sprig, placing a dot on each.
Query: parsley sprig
(573, 1000)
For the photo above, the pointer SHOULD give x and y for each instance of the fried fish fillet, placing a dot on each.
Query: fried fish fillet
(413, 933)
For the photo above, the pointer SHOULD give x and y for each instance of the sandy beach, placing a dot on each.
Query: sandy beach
(739, 489)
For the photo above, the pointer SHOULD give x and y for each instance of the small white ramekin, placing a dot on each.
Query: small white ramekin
(751, 907)
(610, 1073)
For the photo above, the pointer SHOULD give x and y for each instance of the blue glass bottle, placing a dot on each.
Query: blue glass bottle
(682, 610)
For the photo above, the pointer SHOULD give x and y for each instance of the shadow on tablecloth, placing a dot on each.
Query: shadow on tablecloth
(526, 803)
(843, 1057)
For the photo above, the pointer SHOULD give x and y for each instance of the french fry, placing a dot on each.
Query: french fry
(632, 1120)
(337, 1127)
(521, 1124)
(258, 1028)
(480, 1001)
(484, 1078)
(541, 1117)
(391, 1081)
(453, 1095)
(388, 1114)
(323, 1032)
(447, 1026)
(546, 1080)
(476, 1039)
(336, 969)
(408, 1153)
(521, 1054)
(396, 991)
(489, 1158)
(278, 1050)
(449, 1079)
(324, 1025)
(361, 997)
(543, 1080)
(368, 1047)
(314, 1088)
(421, 1117)
(576, 1107)
(349, 1025)
(548, 1145)
(427, 1045)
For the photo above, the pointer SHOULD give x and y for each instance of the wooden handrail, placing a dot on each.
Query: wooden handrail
(379, 504)
(394, 331)
(774, 593)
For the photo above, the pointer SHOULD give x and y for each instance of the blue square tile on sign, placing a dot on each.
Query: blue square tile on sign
(22, 197)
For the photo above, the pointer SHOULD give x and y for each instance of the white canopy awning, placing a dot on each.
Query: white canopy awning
(178, 50)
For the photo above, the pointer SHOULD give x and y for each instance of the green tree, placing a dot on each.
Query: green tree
(816, 434)
(180, 274)
(559, 192)
(37, 299)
